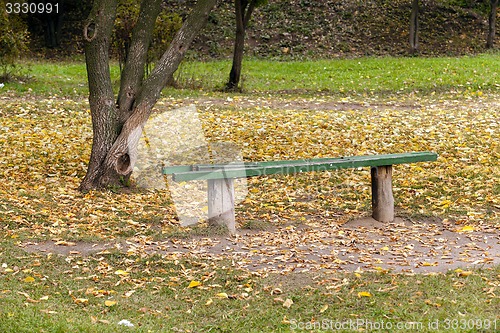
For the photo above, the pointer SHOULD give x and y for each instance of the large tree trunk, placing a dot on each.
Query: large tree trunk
(414, 27)
(97, 34)
(492, 24)
(118, 126)
(243, 10)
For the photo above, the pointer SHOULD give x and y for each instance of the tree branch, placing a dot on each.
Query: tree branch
(133, 72)
(170, 60)
(97, 33)
(122, 155)
(248, 13)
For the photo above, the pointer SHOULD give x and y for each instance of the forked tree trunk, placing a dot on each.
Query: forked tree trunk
(414, 46)
(118, 125)
(243, 10)
(492, 21)
(105, 126)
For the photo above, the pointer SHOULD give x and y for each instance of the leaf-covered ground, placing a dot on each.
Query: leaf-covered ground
(46, 144)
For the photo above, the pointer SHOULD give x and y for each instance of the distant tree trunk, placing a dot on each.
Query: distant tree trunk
(492, 24)
(117, 125)
(414, 27)
(243, 10)
(52, 26)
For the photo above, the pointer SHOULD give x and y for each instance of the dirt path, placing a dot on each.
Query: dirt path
(404, 246)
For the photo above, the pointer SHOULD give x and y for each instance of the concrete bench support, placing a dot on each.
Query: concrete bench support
(382, 198)
(221, 203)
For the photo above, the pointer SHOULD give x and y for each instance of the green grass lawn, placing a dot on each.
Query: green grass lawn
(372, 76)
(48, 293)
(448, 105)
(357, 76)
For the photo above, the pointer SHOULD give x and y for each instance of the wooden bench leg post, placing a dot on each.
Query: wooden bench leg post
(221, 203)
(382, 199)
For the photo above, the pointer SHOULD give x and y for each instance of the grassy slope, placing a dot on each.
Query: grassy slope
(287, 29)
(295, 29)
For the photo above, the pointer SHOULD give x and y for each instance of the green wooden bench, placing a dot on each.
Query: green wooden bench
(220, 178)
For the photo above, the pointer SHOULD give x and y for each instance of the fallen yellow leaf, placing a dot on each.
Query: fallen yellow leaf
(65, 243)
(323, 308)
(426, 263)
(364, 294)
(81, 301)
(194, 284)
(121, 272)
(380, 269)
(109, 303)
(467, 228)
(429, 302)
(29, 279)
(222, 295)
(462, 272)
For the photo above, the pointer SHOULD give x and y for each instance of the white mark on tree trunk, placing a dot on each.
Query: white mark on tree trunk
(132, 142)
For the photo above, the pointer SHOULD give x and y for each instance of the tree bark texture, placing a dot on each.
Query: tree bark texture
(118, 126)
(490, 40)
(97, 34)
(133, 71)
(243, 10)
(414, 46)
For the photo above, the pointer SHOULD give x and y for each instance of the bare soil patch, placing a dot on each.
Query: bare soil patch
(318, 103)
(404, 246)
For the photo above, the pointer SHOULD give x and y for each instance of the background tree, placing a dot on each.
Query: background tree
(117, 123)
(414, 27)
(13, 41)
(167, 24)
(59, 32)
(52, 24)
(243, 11)
(492, 21)
(126, 16)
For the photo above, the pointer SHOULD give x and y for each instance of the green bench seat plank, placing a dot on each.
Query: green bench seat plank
(207, 172)
(169, 170)
(176, 168)
(197, 167)
(201, 167)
